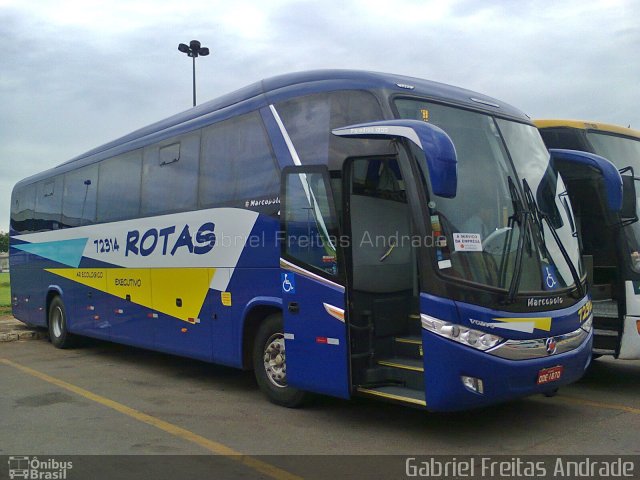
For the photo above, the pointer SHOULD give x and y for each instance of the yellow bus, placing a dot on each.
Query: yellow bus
(610, 241)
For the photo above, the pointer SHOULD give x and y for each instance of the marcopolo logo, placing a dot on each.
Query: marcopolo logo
(37, 469)
(544, 301)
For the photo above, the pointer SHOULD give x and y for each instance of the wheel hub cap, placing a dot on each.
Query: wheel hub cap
(274, 360)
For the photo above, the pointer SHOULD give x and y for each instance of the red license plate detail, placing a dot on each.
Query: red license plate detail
(547, 375)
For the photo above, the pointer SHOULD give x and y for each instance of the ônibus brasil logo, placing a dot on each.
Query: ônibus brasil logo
(32, 468)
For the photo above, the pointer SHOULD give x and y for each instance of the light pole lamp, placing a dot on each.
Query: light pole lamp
(193, 50)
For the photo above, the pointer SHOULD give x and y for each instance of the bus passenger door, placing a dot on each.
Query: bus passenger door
(312, 282)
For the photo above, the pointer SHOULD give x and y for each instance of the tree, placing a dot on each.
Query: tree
(4, 242)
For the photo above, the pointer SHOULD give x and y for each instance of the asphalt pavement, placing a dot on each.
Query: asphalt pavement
(108, 399)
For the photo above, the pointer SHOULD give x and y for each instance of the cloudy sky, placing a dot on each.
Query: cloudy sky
(75, 74)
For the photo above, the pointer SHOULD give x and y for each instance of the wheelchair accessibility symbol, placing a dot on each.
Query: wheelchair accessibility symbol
(288, 281)
(550, 279)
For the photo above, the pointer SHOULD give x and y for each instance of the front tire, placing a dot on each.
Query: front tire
(58, 332)
(269, 364)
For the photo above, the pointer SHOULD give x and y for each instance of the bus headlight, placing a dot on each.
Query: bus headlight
(466, 336)
(587, 325)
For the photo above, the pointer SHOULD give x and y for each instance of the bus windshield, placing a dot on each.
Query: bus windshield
(622, 152)
(508, 200)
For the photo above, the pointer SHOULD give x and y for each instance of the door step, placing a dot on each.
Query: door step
(413, 339)
(408, 346)
(395, 394)
(605, 333)
(605, 308)
(402, 363)
(603, 351)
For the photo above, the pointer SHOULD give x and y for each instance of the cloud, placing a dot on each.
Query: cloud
(76, 74)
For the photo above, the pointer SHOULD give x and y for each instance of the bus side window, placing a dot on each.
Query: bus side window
(237, 164)
(170, 175)
(23, 207)
(119, 187)
(309, 121)
(80, 195)
(48, 213)
(310, 226)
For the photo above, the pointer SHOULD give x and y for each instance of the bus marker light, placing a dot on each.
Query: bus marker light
(152, 315)
(225, 297)
(91, 308)
(321, 340)
(96, 317)
(183, 330)
(118, 311)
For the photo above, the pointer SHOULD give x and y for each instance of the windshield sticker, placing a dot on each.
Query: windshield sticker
(549, 277)
(467, 242)
(443, 264)
(425, 114)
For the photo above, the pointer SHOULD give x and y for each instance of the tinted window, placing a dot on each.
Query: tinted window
(23, 206)
(49, 204)
(119, 187)
(379, 178)
(238, 166)
(311, 226)
(79, 202)
(563, 138)
(170, 175)
(309, 121)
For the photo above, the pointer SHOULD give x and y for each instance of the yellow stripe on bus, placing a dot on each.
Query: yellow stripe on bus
(584, 125)
(179, 292)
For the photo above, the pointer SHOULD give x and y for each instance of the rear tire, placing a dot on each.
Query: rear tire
(269, 364)
(58, 332)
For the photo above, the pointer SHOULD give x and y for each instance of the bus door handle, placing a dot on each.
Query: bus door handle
(294, 307)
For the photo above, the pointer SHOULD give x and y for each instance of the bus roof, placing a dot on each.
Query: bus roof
(584, 125)
(280, 88)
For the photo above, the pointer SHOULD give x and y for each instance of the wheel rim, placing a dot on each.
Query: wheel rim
(274, 360)
(56, 322)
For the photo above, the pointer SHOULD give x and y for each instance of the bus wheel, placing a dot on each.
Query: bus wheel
(269, 364)
(58, 333)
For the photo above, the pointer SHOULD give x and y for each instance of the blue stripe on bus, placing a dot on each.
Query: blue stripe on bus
(66, 252)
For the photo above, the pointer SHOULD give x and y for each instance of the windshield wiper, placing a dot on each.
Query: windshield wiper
(564, 199)
(520, 215)
(542, 216)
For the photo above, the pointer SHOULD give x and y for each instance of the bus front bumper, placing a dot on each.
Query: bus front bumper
(453, 371)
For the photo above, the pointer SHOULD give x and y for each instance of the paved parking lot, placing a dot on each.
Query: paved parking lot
(104, 398)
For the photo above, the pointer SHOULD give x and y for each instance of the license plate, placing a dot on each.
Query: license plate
(547, 375)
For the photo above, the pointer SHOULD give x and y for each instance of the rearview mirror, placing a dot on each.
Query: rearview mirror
(438, 148)
(629, 211)
(566, 161)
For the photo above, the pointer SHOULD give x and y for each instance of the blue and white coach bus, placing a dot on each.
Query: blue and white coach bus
(339, 232)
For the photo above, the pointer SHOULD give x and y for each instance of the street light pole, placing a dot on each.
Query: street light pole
(194, 80)
(193, 50)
